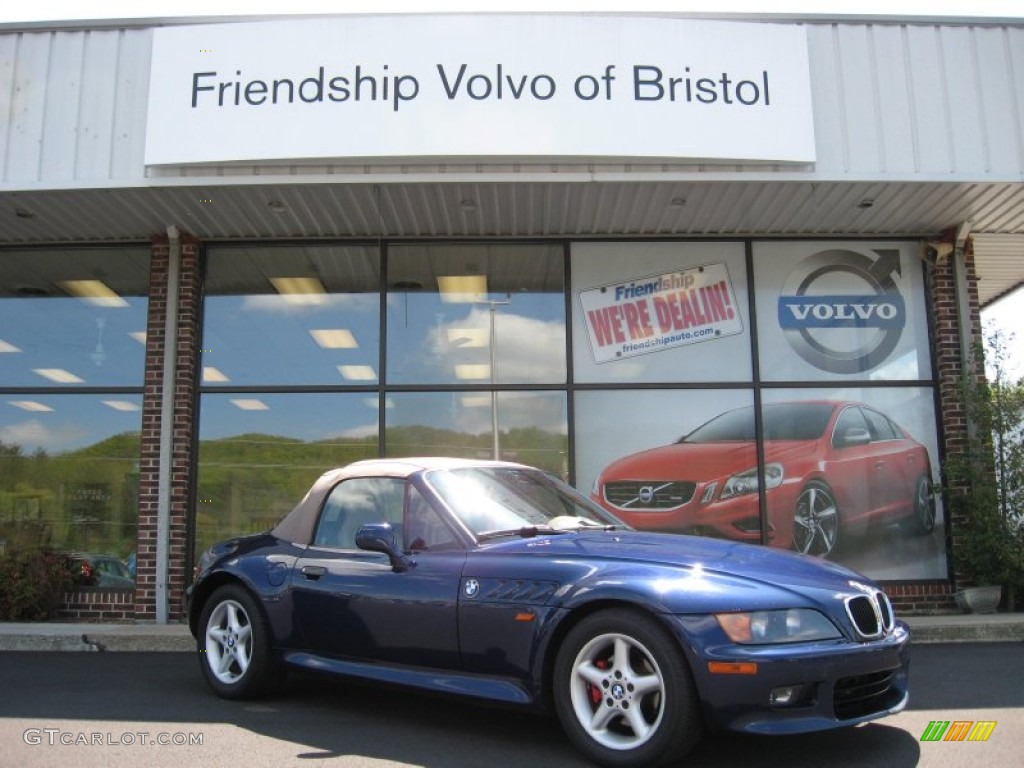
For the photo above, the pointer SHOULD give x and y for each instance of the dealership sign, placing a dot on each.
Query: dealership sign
(651, 314)
(485, 86)
(842, 310)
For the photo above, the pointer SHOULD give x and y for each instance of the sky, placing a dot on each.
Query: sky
(50, 10)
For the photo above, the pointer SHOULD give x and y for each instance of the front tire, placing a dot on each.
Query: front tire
(235, 649)
(624, 693)
(816, 521)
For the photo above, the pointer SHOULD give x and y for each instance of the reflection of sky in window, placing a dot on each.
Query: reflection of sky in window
(306, 417)
(428, 338)
(268, 339)
(92, 343)
(61, 423)
(470, 412)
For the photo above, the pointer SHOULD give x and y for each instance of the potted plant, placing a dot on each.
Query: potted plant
(985, 484)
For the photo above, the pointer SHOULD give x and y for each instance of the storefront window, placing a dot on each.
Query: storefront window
(858, 478)
(291, 315)
(73, 318)
(850, 310)
(658, 313)
(687, 463)
(72, 347)
(260, 453)
(476, 314)
(531, 426)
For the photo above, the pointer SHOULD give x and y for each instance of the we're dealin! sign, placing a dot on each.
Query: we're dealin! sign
(659, 312)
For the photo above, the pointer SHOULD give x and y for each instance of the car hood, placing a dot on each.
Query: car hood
(702, 461)
(692, 566)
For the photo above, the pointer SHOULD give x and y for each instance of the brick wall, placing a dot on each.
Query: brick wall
(188, 303)
(937, 596)
(97, 604)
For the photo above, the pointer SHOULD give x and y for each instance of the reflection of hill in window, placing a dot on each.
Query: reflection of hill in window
(86, 498)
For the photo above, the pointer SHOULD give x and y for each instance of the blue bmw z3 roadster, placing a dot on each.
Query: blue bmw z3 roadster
(497, 581)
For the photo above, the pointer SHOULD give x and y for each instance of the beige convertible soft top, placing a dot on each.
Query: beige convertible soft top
(297, 526)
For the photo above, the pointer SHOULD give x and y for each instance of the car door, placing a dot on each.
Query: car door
(852, 470)
(353, 603)
(899, 480)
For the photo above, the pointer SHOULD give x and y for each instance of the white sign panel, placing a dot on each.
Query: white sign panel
(514, 86)
(651, 314)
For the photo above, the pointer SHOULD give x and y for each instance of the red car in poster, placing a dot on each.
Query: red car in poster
(830, 468)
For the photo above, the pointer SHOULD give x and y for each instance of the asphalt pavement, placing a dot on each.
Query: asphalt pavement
(54, 636)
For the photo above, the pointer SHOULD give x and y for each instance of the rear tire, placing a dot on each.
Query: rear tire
(922, 521)
(624, 693)
(234, 646)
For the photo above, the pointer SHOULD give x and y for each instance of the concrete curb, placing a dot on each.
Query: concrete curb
(175, 638)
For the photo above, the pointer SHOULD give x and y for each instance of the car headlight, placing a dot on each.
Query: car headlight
(795, 625)
(747, 482)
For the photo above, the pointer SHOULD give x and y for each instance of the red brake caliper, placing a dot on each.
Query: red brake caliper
(595, 693)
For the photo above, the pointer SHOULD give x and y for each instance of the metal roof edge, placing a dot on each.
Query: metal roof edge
(144, 22)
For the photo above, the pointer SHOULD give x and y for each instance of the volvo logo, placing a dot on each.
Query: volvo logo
(646, 494)
(471, 587)
(842, 311)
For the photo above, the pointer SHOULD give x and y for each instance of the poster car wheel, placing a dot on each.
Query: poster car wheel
(923, 520)
(816, 521)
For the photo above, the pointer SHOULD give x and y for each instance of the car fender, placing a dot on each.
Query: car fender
(267, 578)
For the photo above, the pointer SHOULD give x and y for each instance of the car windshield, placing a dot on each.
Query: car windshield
(512, 500)
(780, 421)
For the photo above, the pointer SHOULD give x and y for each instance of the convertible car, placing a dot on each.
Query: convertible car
(497, 581)
(831, 467)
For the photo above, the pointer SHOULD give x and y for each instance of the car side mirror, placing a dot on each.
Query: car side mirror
(380, 537)
(856, 436)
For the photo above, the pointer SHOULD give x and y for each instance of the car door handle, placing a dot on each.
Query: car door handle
(313, 572)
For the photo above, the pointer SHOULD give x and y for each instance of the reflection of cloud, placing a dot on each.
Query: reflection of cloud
(33, 434)
(275, 302)
(528, 349)
(357, 433)
(516, 410)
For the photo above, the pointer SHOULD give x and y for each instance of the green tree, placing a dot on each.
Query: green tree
(985, 480)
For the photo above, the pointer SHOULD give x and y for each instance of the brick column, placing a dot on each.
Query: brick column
(182, 452)
(949, 364)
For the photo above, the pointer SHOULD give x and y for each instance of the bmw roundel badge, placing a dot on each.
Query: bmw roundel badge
(471, 587)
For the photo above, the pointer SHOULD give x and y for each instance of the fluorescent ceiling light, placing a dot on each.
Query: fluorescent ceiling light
(122, 405)
(357, 372)
(95, 292)
(468, 337)
(58, 375)
(476, 401)
(250, 405)
(211, 374)
(30, 405)
(139, 336)
(300, 290)
(473, 371)
(334, 338)
(462, 289)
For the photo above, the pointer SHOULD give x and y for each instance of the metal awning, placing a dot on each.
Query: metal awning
(284, 209)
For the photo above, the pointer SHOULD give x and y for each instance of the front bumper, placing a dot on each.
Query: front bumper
(840, 682)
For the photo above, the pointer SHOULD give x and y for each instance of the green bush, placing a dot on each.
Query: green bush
(32, 583)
